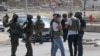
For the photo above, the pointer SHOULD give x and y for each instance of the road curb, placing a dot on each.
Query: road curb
(3, 37)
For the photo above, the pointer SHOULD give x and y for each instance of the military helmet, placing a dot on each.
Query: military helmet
(29, 17)
(15, 16)
(6, 15)
(38, 17)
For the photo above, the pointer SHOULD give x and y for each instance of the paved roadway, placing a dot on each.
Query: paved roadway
(44, 49)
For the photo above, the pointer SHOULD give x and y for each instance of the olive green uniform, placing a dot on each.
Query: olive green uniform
(38, 30)
(29, 32)
(14, 30)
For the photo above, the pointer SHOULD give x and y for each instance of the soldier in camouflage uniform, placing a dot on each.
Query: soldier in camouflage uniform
(14, 30)
(39, 29)
(28, 30)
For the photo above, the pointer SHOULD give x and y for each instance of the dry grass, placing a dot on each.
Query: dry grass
(3, 37)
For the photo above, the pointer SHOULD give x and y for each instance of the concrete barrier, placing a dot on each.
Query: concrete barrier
(92, 27)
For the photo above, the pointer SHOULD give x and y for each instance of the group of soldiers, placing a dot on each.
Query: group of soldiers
(72, 29)
(16, 31)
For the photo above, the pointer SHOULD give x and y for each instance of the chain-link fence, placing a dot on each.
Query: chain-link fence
(43, 6)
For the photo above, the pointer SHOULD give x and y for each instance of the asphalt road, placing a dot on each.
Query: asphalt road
(44, 49)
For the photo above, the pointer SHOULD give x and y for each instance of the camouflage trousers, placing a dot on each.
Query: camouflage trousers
(14, 44)
(28, 46)
(38, 37)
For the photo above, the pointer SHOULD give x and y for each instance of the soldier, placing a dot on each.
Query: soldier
(14, 30)
(5, 18)
(39, 29)
(28, 30)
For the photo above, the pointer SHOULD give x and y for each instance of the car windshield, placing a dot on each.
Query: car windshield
(21, 19)
(46, 20)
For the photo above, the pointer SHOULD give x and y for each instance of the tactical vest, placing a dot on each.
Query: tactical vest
(14, 29)
(29, 28)
(75, 25)
(56, 34)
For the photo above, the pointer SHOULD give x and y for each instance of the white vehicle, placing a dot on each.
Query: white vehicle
(1, 26)
(46, 21)
(3, 8)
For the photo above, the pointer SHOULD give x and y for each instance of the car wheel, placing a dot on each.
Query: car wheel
(3, 30)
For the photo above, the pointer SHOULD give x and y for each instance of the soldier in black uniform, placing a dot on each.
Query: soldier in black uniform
(14, 30)
(28, 30)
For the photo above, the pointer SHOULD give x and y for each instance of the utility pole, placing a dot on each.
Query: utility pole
(26, 10)
(93, 5)
(7, 5)
(69, 2)
(84, 8)
(71, 5)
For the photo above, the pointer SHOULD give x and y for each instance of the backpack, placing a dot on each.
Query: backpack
(75, 25)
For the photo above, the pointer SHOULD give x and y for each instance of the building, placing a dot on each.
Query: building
(21, 3)
(91, 3)
(3, 2)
